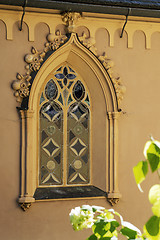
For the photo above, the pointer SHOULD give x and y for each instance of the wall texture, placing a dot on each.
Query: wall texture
(139, 68)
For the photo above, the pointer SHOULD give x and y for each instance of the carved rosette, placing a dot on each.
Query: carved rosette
(34, 60)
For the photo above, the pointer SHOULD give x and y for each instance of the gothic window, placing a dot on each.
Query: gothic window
(64, 130)
(69, 126)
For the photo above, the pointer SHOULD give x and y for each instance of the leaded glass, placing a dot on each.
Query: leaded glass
(42, 99)
(51, 149)
(64, 106)
(78, 148)
(51, 90)
(78, 91)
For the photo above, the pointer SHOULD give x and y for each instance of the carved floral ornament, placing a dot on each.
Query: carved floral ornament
(22, 85)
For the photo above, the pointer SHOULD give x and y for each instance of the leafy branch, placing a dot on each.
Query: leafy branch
(152, 160)
(108, 224)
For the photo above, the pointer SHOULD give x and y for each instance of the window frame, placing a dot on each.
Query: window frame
(28, 114)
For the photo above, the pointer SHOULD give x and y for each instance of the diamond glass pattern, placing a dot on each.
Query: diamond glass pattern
(78, 147)
(51, 111)
(66, 106)
(50, 147)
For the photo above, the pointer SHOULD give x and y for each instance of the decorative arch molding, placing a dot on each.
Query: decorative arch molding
(22, 85)
(75, 51)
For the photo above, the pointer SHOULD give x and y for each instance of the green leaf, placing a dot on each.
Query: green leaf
(92, 237)
(156, 208)
(140, 171)
(131, 234)
(152, 153)
(105, 238)
(114, 225)
(101, 227)
(152, 226)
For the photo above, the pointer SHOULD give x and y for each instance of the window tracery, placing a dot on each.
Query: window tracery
(64, 119)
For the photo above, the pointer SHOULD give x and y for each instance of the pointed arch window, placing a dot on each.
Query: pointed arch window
(64, 123)
(69, 127)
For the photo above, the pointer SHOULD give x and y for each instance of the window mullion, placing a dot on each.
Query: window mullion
(65, 146)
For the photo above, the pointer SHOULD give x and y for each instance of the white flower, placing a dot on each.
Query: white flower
(81, 218)
(114, 238)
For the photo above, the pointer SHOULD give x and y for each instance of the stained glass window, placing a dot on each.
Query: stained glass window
(64, 122)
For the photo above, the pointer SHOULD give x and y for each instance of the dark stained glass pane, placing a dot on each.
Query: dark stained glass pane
(65, 71)
(65, 81)
(59, 69)
(51, 90)
(87, 100)
(51, 111)
(60, 84)
(58, 158)
(70, 84)
(44, 135)
(60, 99)
(42, 99)
(44, 172)
(71, 69)
(71, 136)
(59, 76)
(71, 76)
(71, 171)
(69, 100)
(77, 110)
(85, 157)
(78, 91)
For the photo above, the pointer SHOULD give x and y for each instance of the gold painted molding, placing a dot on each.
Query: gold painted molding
(52, 18)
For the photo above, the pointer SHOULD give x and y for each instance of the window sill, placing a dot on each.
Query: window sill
(53, 193)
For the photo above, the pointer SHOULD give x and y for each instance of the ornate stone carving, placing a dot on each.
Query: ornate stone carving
(107, 63)
(70, 19)
(113, 201)
(21, 86)
(88, 43)
(34, 60)
(25, 206)
(54, 41)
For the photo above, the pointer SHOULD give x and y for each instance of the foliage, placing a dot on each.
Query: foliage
(107, 224)
(152, 156)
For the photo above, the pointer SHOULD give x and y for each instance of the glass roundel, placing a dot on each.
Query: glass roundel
(64, 123)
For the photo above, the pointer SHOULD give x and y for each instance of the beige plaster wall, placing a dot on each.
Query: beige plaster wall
(140, 71)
